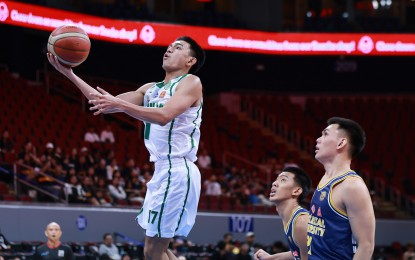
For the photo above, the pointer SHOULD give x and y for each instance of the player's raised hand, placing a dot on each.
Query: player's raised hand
(65, 70)
(104, 102)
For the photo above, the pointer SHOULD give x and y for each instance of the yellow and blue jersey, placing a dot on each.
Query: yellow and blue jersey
(289, 231)
(329, 234)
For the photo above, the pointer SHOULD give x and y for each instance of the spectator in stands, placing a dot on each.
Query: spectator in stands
(71, 172)
(73, 157)
(121, 180)
(102, 194)
(103, 199)
(54, 248)
(204, 160)
(134, 189)
(240, 192)
(47, 179)
(130, 169)
(29, 155)
(342, 201)
(49, 150)
(224, 249)
(250, 240)
(212, 186)
(101, 169)
(91, 174)
(245, 252)
(253, 195)
(113, 166)
(82, 164)
(74, 191)
(227, 237)
(219, 253)
(91, 135)
(409, 253)
(89, 189)
(90, 193)
(6, 145)
(224, 185)
(231, 172)
(60, 173)
(107, 136)
(102, 184)
(108, 250)
(59, 155)
(288, 193)
(4, 245)
(116, 190)
(109, 156)
(88, 156)
(264, 200)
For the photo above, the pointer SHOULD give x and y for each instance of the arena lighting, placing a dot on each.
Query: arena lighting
(160, 34)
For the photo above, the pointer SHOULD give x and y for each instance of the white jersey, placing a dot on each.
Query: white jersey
(178, 138)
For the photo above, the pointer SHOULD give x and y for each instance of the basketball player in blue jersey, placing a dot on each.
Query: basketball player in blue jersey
(342, 221)
(171, 110)
(288, 192)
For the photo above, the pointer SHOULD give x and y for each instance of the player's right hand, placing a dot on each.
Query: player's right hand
(65, 70)
(261, 255)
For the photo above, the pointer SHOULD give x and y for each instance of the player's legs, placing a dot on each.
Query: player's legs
(170, 206)
(157, 248)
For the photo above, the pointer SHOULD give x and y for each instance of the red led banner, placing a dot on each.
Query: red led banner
(159, 34)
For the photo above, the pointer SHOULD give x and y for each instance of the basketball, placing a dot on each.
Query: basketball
(70, 44)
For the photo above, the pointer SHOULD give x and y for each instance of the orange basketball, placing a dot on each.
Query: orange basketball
(70, 44)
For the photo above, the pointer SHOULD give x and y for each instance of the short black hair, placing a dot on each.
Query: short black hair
(355, 133)
(105, 235)
(302, 179)
(196, 51)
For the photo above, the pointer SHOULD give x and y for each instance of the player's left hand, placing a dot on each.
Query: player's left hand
(104, 102)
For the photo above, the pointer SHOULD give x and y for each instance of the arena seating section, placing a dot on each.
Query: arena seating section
(269, 125)
(30, 114)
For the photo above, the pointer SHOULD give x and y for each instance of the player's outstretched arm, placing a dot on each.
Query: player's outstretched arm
(135, 97)
(187, 94)
(360, 212)
(300, 235)
(68, 72)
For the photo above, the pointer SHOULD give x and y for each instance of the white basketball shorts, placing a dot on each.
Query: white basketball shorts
(170, 204)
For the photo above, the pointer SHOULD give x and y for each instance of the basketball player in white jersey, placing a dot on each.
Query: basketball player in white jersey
(171, 110)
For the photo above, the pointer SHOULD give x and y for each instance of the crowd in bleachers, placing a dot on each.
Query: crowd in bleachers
(97, 162)
(242, 186)
(92, 175)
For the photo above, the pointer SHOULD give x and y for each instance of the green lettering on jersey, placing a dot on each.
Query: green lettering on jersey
(154, 213)
(147, 131)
